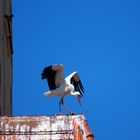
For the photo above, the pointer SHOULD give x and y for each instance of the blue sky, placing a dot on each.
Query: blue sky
(99, 39)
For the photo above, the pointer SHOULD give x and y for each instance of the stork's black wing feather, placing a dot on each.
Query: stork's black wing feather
(78, 86)
(49, 74)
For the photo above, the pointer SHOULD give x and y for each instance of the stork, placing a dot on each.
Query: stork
(58, 86)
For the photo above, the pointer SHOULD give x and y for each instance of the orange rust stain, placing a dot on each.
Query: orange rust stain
(77, 131)
(88, 132)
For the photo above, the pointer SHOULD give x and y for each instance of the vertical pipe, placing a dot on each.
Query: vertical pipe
(2, 93)
(77, 132)
(0, 54)
(88, 132)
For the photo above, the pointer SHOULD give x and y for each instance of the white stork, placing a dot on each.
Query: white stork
(59, 86)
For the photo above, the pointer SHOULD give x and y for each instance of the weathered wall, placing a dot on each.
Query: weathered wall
(5, 58)
(41, 127)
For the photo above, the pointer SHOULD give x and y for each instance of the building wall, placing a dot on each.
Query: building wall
(5, 58)
(60, 127)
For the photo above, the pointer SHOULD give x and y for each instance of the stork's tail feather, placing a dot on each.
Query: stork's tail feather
(49, 93)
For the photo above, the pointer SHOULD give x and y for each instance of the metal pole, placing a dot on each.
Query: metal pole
(2, 94)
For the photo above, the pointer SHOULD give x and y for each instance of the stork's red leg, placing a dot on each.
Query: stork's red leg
(62, 101)
(60, 104)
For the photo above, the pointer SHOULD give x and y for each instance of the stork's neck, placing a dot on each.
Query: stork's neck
(75, 93)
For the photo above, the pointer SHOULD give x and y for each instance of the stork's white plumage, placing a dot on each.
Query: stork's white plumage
(59, 86)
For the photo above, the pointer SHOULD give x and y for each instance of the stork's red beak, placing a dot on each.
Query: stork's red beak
(79, 99)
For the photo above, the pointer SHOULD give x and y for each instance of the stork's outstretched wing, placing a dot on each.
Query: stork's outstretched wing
(54, 75)
(75, 80)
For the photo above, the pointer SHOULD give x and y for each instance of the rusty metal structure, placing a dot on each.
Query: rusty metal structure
(6, 52)
(60, 127)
